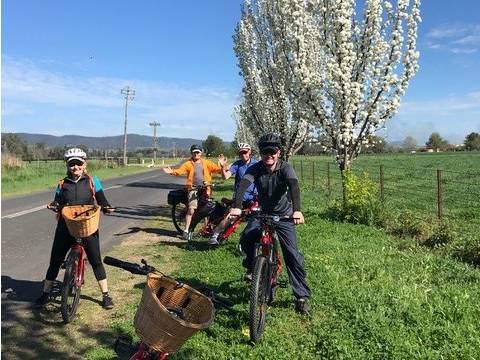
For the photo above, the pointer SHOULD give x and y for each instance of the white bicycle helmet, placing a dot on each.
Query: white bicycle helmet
(75, 153)
(244, 146)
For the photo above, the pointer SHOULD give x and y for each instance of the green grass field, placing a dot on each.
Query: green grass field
(410, 184)
(373, 297)
(410, 180)
(42, 175)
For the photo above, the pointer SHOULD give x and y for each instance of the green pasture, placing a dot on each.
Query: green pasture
(410, 180)
(373, 296)
(410, 183)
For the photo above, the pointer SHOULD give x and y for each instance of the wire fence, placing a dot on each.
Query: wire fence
(425, 189)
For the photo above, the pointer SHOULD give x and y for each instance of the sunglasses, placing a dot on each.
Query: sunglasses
(268, 151)
(75, 162)
(243, 152)
(196, 152)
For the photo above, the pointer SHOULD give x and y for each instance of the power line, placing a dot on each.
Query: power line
(129, 94)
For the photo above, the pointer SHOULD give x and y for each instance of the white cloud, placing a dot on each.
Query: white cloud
(32, 94)
(463, 50)
(456, 38)
(453, 117)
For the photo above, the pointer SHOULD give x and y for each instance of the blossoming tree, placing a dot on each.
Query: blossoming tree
(353, 70)
(316, 66)
(263, 52)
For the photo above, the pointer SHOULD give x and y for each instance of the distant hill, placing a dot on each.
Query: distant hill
(134, 142)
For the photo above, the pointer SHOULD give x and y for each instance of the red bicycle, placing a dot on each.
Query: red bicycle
(237, 220)
(74, 263)
(179, 309)
(266, 271)
(208, 208)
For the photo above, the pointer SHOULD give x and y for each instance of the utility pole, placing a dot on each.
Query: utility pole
(154, 124)
(173, 151)
(128, 94)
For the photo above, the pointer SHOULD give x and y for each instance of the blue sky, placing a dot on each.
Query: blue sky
(65, 62)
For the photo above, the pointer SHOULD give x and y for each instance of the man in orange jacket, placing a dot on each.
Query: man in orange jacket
(199, 173)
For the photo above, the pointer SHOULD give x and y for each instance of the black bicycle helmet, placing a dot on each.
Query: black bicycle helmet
(195, 147)
(269, 140)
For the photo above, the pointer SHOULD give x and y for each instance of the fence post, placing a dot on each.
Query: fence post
(439, 194)
(301, 169)
(382, 183)
(328, 179)
(313, 173)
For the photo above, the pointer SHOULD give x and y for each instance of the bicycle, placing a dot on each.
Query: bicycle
(266, 271)
(176, 307)
(252, 206)
(74, 265)
(207, 208)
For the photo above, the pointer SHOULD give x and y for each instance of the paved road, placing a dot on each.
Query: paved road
(28, 228)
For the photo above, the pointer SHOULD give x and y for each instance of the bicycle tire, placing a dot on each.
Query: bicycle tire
(70, 292)
(179, 211)
(258, 298)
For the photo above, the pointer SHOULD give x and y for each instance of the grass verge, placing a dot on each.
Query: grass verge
(373, 297)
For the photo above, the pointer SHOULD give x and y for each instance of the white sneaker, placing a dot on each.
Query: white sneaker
(213, 240)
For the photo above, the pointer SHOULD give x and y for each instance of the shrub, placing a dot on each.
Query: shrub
(408, 224)
(468, 250)
(11, 162)
(426, 231)
(443, 233)
(361, 205)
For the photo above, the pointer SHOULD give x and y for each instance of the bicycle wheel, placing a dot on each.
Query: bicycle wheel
(258, 298)
(179, 211)
(70, 292)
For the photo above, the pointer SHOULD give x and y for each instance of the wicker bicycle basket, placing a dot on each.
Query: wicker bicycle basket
(161, 329)
(82, 220)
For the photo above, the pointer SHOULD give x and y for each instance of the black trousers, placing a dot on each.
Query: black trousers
(62, 243)
(294, 260)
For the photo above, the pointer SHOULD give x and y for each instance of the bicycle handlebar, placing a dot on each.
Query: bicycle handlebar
(56, 207)
(131, 267)
(145, 269)
(259, 215)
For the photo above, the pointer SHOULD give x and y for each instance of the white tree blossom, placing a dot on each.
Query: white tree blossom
(315, 66)
(265, 53)
(243, 134)
(353, 70)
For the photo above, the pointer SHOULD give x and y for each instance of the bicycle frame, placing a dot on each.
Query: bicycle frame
(144, 352)
(80, 268)
(266, 271)
(230, 229)
(268, 247)
(206, 206)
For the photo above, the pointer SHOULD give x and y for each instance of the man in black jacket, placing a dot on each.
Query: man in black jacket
(278, 194)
